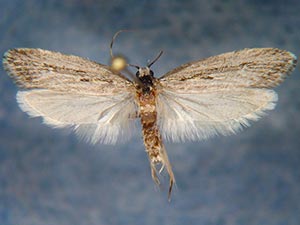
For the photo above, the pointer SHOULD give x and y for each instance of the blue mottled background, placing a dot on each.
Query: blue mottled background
(48, 177)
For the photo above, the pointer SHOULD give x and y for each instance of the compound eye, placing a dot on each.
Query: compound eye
(151, 73)
(137, 74)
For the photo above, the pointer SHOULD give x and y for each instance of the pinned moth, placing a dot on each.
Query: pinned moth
(197, 100)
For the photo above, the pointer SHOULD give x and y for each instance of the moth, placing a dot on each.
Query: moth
(197, 100)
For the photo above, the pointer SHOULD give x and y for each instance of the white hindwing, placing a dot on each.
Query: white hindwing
(201, 115)
(104, 119)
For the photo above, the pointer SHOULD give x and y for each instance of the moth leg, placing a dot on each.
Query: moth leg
(166, 164)
(161, 168)
(154, 174)
(172, 181)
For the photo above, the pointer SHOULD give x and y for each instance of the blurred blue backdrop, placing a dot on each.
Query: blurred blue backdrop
(49, 177)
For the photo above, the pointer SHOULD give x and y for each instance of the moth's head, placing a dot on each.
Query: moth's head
(145, 76)
(143, 72)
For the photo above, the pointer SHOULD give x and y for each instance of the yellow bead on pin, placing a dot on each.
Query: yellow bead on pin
(118, 63)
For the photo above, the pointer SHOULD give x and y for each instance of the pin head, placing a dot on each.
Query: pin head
(118, 63)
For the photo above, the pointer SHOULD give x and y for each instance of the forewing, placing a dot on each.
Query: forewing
(43, 69)
(220, 94)
(257, 68)
(69, 91)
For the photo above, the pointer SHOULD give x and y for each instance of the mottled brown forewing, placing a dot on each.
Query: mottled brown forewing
(43, 69)
(256, 67)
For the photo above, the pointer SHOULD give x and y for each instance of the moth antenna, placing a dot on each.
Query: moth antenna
(157, 57)
(113, 39)
(112, 42)
(132, 65)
